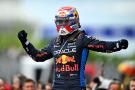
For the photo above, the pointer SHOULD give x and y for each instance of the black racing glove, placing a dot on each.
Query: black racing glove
(123, 43)
(22, 35)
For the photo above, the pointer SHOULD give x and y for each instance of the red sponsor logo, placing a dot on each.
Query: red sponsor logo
(66, 68)
(96, 46)
(41, 54)
(64, 59)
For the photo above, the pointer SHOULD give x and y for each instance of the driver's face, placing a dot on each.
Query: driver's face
(62, 22)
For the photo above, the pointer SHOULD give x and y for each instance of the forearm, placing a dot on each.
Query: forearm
(107, 47)
(36, 55)
(31, 50)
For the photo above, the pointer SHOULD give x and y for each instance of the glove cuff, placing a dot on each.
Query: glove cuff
(27, 43)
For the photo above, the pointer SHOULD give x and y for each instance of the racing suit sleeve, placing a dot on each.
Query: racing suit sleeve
(38, 55)
(102, 46)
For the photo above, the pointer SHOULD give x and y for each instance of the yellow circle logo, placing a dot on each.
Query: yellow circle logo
(64, 59)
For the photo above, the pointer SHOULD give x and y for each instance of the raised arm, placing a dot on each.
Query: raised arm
(104, 46)
(37, 55)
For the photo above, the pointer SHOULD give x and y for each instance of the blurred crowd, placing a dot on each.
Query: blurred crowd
(100, 83)
(21, 82)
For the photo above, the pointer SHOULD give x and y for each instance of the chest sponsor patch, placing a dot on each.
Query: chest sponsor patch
(68, 50)
(67, 68)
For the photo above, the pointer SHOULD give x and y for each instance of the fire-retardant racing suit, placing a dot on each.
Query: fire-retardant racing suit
(70, 55)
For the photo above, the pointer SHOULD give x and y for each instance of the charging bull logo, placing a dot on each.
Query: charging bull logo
(64, 59)
(65, 67)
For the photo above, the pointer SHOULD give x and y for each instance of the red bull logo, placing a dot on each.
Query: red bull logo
(67, 68)
(64, 59)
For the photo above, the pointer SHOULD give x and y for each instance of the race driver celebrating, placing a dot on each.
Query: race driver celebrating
(69, 50)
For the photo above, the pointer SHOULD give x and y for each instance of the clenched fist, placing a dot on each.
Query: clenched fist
(123, 43)
(22, 35)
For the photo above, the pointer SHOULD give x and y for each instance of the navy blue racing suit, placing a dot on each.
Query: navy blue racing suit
(70, 54)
